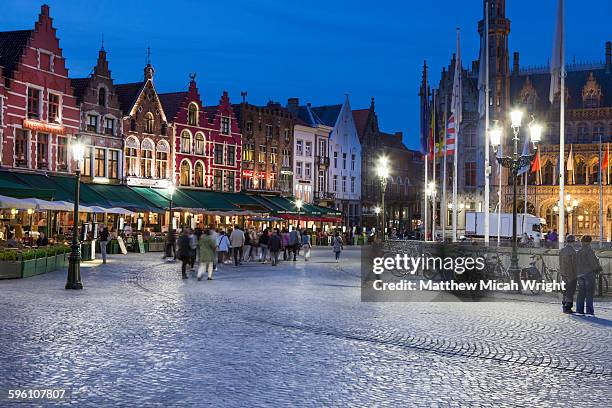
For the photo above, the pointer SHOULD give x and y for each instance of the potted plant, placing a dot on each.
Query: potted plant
(10, 266)
(28, 263)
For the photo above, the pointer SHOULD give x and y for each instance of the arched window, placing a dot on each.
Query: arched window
(580, 171)
(185, 178)
(102, 96)
(149, 122)
(161, 159)
(594, 173)
(146, 158)
(548, 173)
(199, 144)
(551, 218)
(192, 118)
(185, 142)
(199, 174)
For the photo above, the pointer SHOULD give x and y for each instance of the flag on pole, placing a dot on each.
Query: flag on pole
(432, 133)
(525, 152)
(450, 136)
(570, 163)
(536, 167)
(482, 79)
(558, 55)
(606, 160)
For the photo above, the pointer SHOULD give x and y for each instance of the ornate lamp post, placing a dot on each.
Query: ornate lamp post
(171, 190)
(74, 261)
(382, 170)
(515, 163)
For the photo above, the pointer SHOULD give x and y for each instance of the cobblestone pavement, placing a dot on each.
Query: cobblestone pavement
(292, 335)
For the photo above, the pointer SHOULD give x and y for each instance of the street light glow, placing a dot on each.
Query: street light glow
(78, 150)
(536, 132)
(516, 117)
(377, 210)
(171, 189)
(382, 167)
(299, 203)
(495, 135)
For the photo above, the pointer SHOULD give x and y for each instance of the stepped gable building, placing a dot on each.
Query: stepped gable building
(588, 116)
(39, 112)
(147, 153)
(345, 159)
(267, 147)
(406, 173)
(101, 124)
(311, 148)
(206, 140)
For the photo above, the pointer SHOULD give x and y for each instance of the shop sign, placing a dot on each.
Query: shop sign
(44, 127)
(248, 173)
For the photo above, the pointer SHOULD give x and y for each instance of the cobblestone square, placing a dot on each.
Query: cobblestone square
(290, 335)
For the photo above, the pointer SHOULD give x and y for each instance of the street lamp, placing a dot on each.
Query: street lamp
(569, 207)
(515, 163)
(171, 189)
(382, 170)
(299, 203)
(74, 260)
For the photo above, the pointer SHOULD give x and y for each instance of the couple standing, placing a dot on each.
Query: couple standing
(189, 246)
(579, 269)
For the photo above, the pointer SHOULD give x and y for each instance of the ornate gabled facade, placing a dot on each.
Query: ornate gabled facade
(147, 152)
(101, 124)
(206, 141)
(267, 147)
(588, 116)
(345, 159)
(40, 115)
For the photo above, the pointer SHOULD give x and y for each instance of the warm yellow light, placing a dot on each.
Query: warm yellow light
(568, 197)
(299, 203)
(575, 203)
(377, 210)
(30, 211)
(516, 117)
(556, 208)
(382, 167)
(536, 132)
(78, 150)
(14, 211)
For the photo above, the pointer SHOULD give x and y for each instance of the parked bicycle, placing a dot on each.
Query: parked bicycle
(546, 273)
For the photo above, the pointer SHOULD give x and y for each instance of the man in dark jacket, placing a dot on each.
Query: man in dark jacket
(185, 251)
(567, 269)
(275, 246)
(587, 267)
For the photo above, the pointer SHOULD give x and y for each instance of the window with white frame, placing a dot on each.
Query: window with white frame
(298, 169)
(109, 126)
(307, 171)
(199, 144)
(53, 108)
(92, 123)
(308, 149)
(192, 116)
(335, 183)
(185, 142)
(34, 103)
(299, 147)
(225, 125)
(344, 184)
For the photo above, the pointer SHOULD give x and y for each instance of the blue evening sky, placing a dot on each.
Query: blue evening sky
(314, 50)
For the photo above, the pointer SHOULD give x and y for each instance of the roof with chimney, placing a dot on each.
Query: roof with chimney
(12, 47)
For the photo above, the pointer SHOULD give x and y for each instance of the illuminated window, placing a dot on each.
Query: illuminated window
(130, 161)
(149, 122)
(53, 108)
(199, 144)
(185, 178)
(113, 164)
(185, 142)
(42, 150)
(100, 163)
(146, 163)
(199, 175)
(231, 155)
(192, 118)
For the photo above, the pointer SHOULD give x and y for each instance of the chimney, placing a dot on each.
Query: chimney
(515, 63)
(608, 57)
(293, 103)
(44, 10)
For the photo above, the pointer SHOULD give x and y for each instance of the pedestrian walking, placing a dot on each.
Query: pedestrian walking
(237, 242)
(223, 247)
(104, 238)
(254, 245)
(587, 266)
(207, 247)
(306, 244)
(337, 245)
(193, 245)
(246, 251)
(215, 236)
(170, 249)
(275, 245)
(264, 241)
(285, 243)
(567, 270)
(184, 251)
(294, 242)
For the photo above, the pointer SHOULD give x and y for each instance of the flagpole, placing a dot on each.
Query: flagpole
(558, 64)
(426, 204)
(443, 205)
(457, 107)
(486, 130)
(600, 197)
(433, 171)
(499, 201)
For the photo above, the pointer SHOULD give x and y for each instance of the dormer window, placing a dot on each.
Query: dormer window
(149, 122)
(102, 97)
(225, 126)
(192, 118)
(92, 123)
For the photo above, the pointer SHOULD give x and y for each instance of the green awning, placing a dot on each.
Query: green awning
(245, 201)
(180, 199)
(150, 195)
(12, 187)
(124, 197)
(213, 201)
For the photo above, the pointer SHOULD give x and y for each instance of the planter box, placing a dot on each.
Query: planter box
(51, 263)
(41, 266)
(156, 247)
(10, 269)
(28, 268)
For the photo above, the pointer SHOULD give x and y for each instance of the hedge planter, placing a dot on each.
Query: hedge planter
(156, 247)
(41, 266)
(51, 263)
(28, 268)
(10, 269)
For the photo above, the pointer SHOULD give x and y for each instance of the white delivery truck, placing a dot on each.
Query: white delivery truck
(474, 225)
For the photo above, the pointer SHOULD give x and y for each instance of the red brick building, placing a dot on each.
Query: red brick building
(40, 112)
(147, 153)
(101, 130)
(206, 141)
